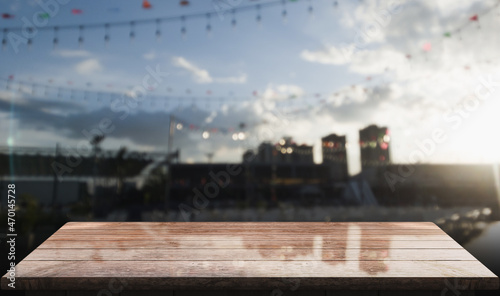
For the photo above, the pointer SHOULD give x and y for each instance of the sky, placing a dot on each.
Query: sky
(327, 67)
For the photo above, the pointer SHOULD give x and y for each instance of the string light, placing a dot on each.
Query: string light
(55, 41)
(310, 9)
(132, 32)
(107, 25)
(106, 35)
(284, 12)
(4, 39)
(158, 30)
(258, 18)
(80, 37)
(233, 21)
(209, 27)
(183, 28)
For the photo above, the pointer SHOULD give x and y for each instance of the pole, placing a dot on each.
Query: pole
(171, 129)
(496, 176)
(56, 180)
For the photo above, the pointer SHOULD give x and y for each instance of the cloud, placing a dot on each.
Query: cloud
(199, 75)
(282, 92)
(242, 78)
(68, 53)
(149, 55)
(329, 55)
(203, 76)
(88, 66)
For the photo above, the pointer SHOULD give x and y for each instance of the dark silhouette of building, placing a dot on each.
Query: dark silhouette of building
(249, 156)
(285, 151)
(334, 149)
(434, 185)
(374, 142)
(227, 184)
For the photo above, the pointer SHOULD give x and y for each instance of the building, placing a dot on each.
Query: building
(435, 185)
(333, 148)
(374, 142)
(285, 151)
(230, 184)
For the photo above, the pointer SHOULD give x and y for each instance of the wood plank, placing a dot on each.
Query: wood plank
(234, 232)
(249, 225)
(262, 254)
(431, 275)
(246, 255)
(177, 238)
(253, 244)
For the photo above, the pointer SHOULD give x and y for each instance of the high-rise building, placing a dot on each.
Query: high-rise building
(374, 142)
(334, 149)
(285, 151)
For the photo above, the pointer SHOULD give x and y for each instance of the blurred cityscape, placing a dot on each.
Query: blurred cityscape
(135, 186)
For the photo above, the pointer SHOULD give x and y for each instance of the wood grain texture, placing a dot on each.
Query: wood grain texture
(250, 255)
(261, 254)
(236, 244)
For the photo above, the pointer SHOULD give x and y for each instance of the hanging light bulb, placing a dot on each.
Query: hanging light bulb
(183, 28)
(55, 41)
(311, 11)
(205, 135)
(132, 32)
(80, 37)
(106, 35)
(258, 18)
(233, 21)
(209, 27)
(284, 12)
(158, 31)
(4, 39)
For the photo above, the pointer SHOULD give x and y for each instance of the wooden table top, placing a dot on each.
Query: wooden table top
(251, 255)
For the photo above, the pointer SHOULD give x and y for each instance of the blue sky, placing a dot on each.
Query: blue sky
(306, 77)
